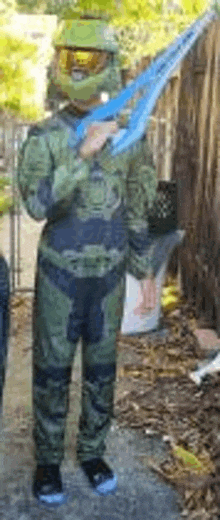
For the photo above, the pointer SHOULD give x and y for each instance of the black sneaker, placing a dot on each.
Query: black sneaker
(47, 487)
(100, 476)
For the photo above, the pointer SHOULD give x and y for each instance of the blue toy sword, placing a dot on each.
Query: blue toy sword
(153, 81)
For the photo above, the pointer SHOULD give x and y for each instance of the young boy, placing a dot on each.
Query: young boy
(96, 210)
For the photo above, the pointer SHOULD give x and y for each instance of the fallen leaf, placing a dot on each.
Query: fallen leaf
(188, 458)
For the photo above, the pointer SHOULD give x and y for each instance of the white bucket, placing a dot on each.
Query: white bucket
(136, 324)
(133, 324)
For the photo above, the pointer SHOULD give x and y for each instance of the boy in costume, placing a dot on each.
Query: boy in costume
(96, 209)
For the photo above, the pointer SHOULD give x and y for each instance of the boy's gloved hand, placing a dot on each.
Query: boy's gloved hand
(97, 135)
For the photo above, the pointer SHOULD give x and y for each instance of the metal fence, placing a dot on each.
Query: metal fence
(12, 136)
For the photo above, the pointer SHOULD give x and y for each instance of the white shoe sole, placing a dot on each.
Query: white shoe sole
(53, 500)
(107, 488)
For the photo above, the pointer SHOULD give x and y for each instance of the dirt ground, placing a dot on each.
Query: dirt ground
(154, 396)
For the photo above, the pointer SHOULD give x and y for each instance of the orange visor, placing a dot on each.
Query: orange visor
(92, 61)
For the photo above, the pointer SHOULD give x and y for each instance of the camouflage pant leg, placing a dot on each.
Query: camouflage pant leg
(66, 309)
(99, 370)
(52, 361)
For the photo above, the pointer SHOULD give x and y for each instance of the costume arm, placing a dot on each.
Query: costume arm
(48, 173)
(141, 191)
(147, 251)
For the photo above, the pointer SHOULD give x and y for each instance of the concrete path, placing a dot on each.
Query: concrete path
(140, 495)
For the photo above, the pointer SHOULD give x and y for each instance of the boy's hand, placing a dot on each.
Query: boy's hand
(97, 136)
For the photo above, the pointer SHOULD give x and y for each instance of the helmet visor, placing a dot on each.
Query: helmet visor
(90, 61)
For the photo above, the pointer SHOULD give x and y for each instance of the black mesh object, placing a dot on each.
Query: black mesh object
(162, 217)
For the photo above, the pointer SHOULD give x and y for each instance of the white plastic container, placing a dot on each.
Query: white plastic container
(136, 324)
(133, 324)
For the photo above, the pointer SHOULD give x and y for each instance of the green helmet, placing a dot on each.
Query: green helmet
(88, 34)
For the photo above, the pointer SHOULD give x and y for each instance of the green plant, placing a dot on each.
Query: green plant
(5, 198)
(145, 28)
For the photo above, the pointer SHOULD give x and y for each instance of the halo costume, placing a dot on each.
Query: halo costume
(96, 212)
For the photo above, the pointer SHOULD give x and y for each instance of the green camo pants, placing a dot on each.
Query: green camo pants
(66, 309)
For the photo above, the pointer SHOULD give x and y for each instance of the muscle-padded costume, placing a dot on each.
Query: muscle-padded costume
(96, 229)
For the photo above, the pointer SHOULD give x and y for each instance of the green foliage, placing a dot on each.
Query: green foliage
(67, 8)
(16, 94)
(17, 57)
(135, 11)
(57, 7)
(5, 199)
(102, 6)
(194, 6)
(145, 28)
(7, 7)
(216, 6)
(4, 181)
(5, 203)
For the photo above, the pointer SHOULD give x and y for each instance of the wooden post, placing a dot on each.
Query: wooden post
(168, 136)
